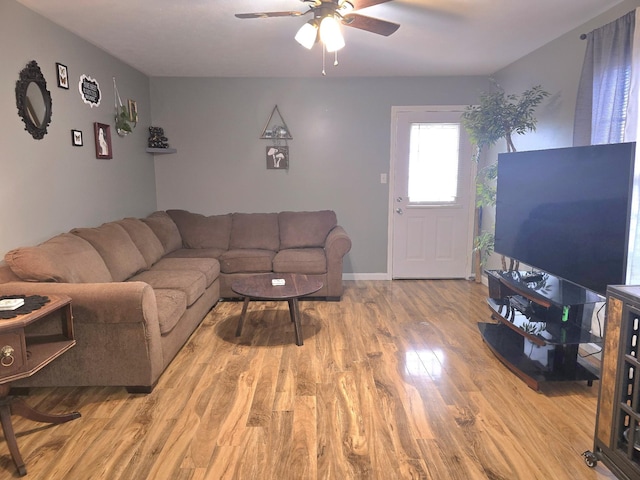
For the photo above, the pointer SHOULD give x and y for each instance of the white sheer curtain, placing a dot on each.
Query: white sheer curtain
(632, 130)
(608, 109)
(604, 112)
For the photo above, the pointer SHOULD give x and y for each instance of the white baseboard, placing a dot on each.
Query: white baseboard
(366, 276)
(384, 276)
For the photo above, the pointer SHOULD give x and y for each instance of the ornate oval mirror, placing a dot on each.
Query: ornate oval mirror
(33, 100)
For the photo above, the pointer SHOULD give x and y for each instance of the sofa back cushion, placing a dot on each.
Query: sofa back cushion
(65, 258)
(254, 230)
(199, 231)
(165, 229)
(305, 229)
(144, 238)
(113, 243)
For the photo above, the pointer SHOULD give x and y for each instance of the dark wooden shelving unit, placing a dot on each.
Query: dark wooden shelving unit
(617, 432)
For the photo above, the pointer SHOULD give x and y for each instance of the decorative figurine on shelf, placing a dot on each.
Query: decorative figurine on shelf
(157, 138)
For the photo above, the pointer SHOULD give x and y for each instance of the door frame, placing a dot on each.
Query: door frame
(395, 110)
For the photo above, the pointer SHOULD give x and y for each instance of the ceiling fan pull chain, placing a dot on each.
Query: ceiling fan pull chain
(324, 50)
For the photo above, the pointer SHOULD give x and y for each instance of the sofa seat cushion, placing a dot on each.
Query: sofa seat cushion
(254, 231)
(165, 229)
(192, 283)
(199, 231)
(248, 260)
(144, 238)
(65, 258)
(305, 229)
(196, 253)
(171, 306)
(300, 260)
(209, 267)
(113, 243)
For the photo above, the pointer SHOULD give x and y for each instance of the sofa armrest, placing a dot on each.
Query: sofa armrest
(337, 243)
(117, 333)
(114, 302)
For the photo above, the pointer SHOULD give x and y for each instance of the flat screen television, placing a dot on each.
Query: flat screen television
(570, 212)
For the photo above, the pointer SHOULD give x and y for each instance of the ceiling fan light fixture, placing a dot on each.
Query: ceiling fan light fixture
(330, 34)
(307, 34)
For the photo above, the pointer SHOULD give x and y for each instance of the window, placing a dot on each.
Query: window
(433, 162)
(607, 106)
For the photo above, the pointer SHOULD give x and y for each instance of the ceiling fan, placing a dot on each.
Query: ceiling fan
(326, 15)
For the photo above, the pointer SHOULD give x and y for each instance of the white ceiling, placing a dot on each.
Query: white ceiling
(203, 38)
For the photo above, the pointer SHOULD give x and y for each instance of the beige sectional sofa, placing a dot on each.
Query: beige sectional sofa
(140, 287)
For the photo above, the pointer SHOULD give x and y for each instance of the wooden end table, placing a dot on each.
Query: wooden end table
(22, 354)
(260, 287)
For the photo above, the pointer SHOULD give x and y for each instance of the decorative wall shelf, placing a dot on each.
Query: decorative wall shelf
(161, 151)
(274, 129)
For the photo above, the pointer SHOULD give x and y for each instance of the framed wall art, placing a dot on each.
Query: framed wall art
(133, 111)
(76, 138)
(277, 157)
(102, 134)
(62, 75)
(89, 91)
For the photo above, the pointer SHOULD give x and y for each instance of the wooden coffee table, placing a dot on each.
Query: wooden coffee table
(260, 287)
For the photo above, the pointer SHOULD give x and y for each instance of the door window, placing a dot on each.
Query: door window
(433, 162)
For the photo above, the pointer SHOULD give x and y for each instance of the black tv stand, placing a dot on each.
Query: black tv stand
(541, 321)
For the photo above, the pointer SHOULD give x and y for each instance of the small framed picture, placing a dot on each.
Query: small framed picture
(133, 111)
(76, 138)
(277, 157)
(63, 76)
(102, 134)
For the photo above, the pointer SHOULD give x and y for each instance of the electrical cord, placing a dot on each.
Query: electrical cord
(599, 331)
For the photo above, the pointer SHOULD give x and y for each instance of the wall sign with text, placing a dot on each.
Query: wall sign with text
(89, 91)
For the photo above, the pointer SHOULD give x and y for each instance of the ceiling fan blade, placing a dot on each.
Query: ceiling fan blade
(370, 24)
(269, 14)
(360, 4)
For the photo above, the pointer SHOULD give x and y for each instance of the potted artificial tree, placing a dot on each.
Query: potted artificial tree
(497, 116)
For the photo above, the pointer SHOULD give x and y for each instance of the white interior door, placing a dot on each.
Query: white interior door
(432, 195)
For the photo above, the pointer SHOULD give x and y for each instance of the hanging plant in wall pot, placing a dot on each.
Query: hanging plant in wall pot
(124, 125)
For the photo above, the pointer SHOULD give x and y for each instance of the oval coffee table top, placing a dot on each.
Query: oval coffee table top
(260, 286)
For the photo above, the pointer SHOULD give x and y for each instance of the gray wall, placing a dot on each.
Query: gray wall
(557, 67)
(341, 145)
(341, 132)
(49, 186)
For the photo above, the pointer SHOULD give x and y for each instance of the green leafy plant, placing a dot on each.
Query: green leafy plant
(483, 245)
(124, 120)
(485, 181)
(123, 127)
(496, 116)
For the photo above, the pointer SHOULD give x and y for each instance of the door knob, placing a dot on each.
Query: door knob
(399, 211)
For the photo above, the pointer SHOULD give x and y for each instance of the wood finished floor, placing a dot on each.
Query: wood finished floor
(393, 382)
